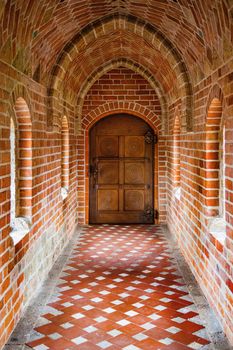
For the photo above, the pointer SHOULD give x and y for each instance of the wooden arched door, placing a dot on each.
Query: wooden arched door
(121, 171)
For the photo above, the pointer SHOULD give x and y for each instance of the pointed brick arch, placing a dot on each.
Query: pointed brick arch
(20, 91)
(122, 107)
(137, 68)
(90, 35)
(217, 100)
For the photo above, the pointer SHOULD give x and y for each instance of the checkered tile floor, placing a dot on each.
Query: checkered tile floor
(120, 289)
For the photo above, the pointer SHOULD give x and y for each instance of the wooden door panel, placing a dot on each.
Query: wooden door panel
(121, 171)
(134, 200)
(108, 200)
(134, 173)
(107, 146)
(108, 172)
(127, 125)
(134, 146)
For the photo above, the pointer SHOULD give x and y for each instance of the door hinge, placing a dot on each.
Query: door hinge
(151, 137)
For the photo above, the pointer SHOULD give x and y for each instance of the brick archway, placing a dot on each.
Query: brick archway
(83, 163)
(122, 107)
(135, 67)
(173, 74)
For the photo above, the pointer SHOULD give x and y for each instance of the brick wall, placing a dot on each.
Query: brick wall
(190, 217)
(24, 266)
(121, 84)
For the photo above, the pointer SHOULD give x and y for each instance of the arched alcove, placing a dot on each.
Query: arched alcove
(13, 172)
(215, 169)
(24, 157)
(21, 169)
(213, 136)
(176, 156)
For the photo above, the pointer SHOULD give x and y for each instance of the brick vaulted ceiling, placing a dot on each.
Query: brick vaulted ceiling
(121, 44)
(34, 34)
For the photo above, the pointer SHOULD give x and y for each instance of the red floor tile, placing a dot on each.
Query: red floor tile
(120, 289)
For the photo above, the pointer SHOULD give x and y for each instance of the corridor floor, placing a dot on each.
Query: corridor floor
(120, 288)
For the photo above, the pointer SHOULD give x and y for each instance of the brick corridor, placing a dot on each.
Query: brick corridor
(120, 289)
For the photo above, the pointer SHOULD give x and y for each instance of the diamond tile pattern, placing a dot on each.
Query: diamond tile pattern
(120, 289)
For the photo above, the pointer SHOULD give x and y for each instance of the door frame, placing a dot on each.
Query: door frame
(87, 160)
